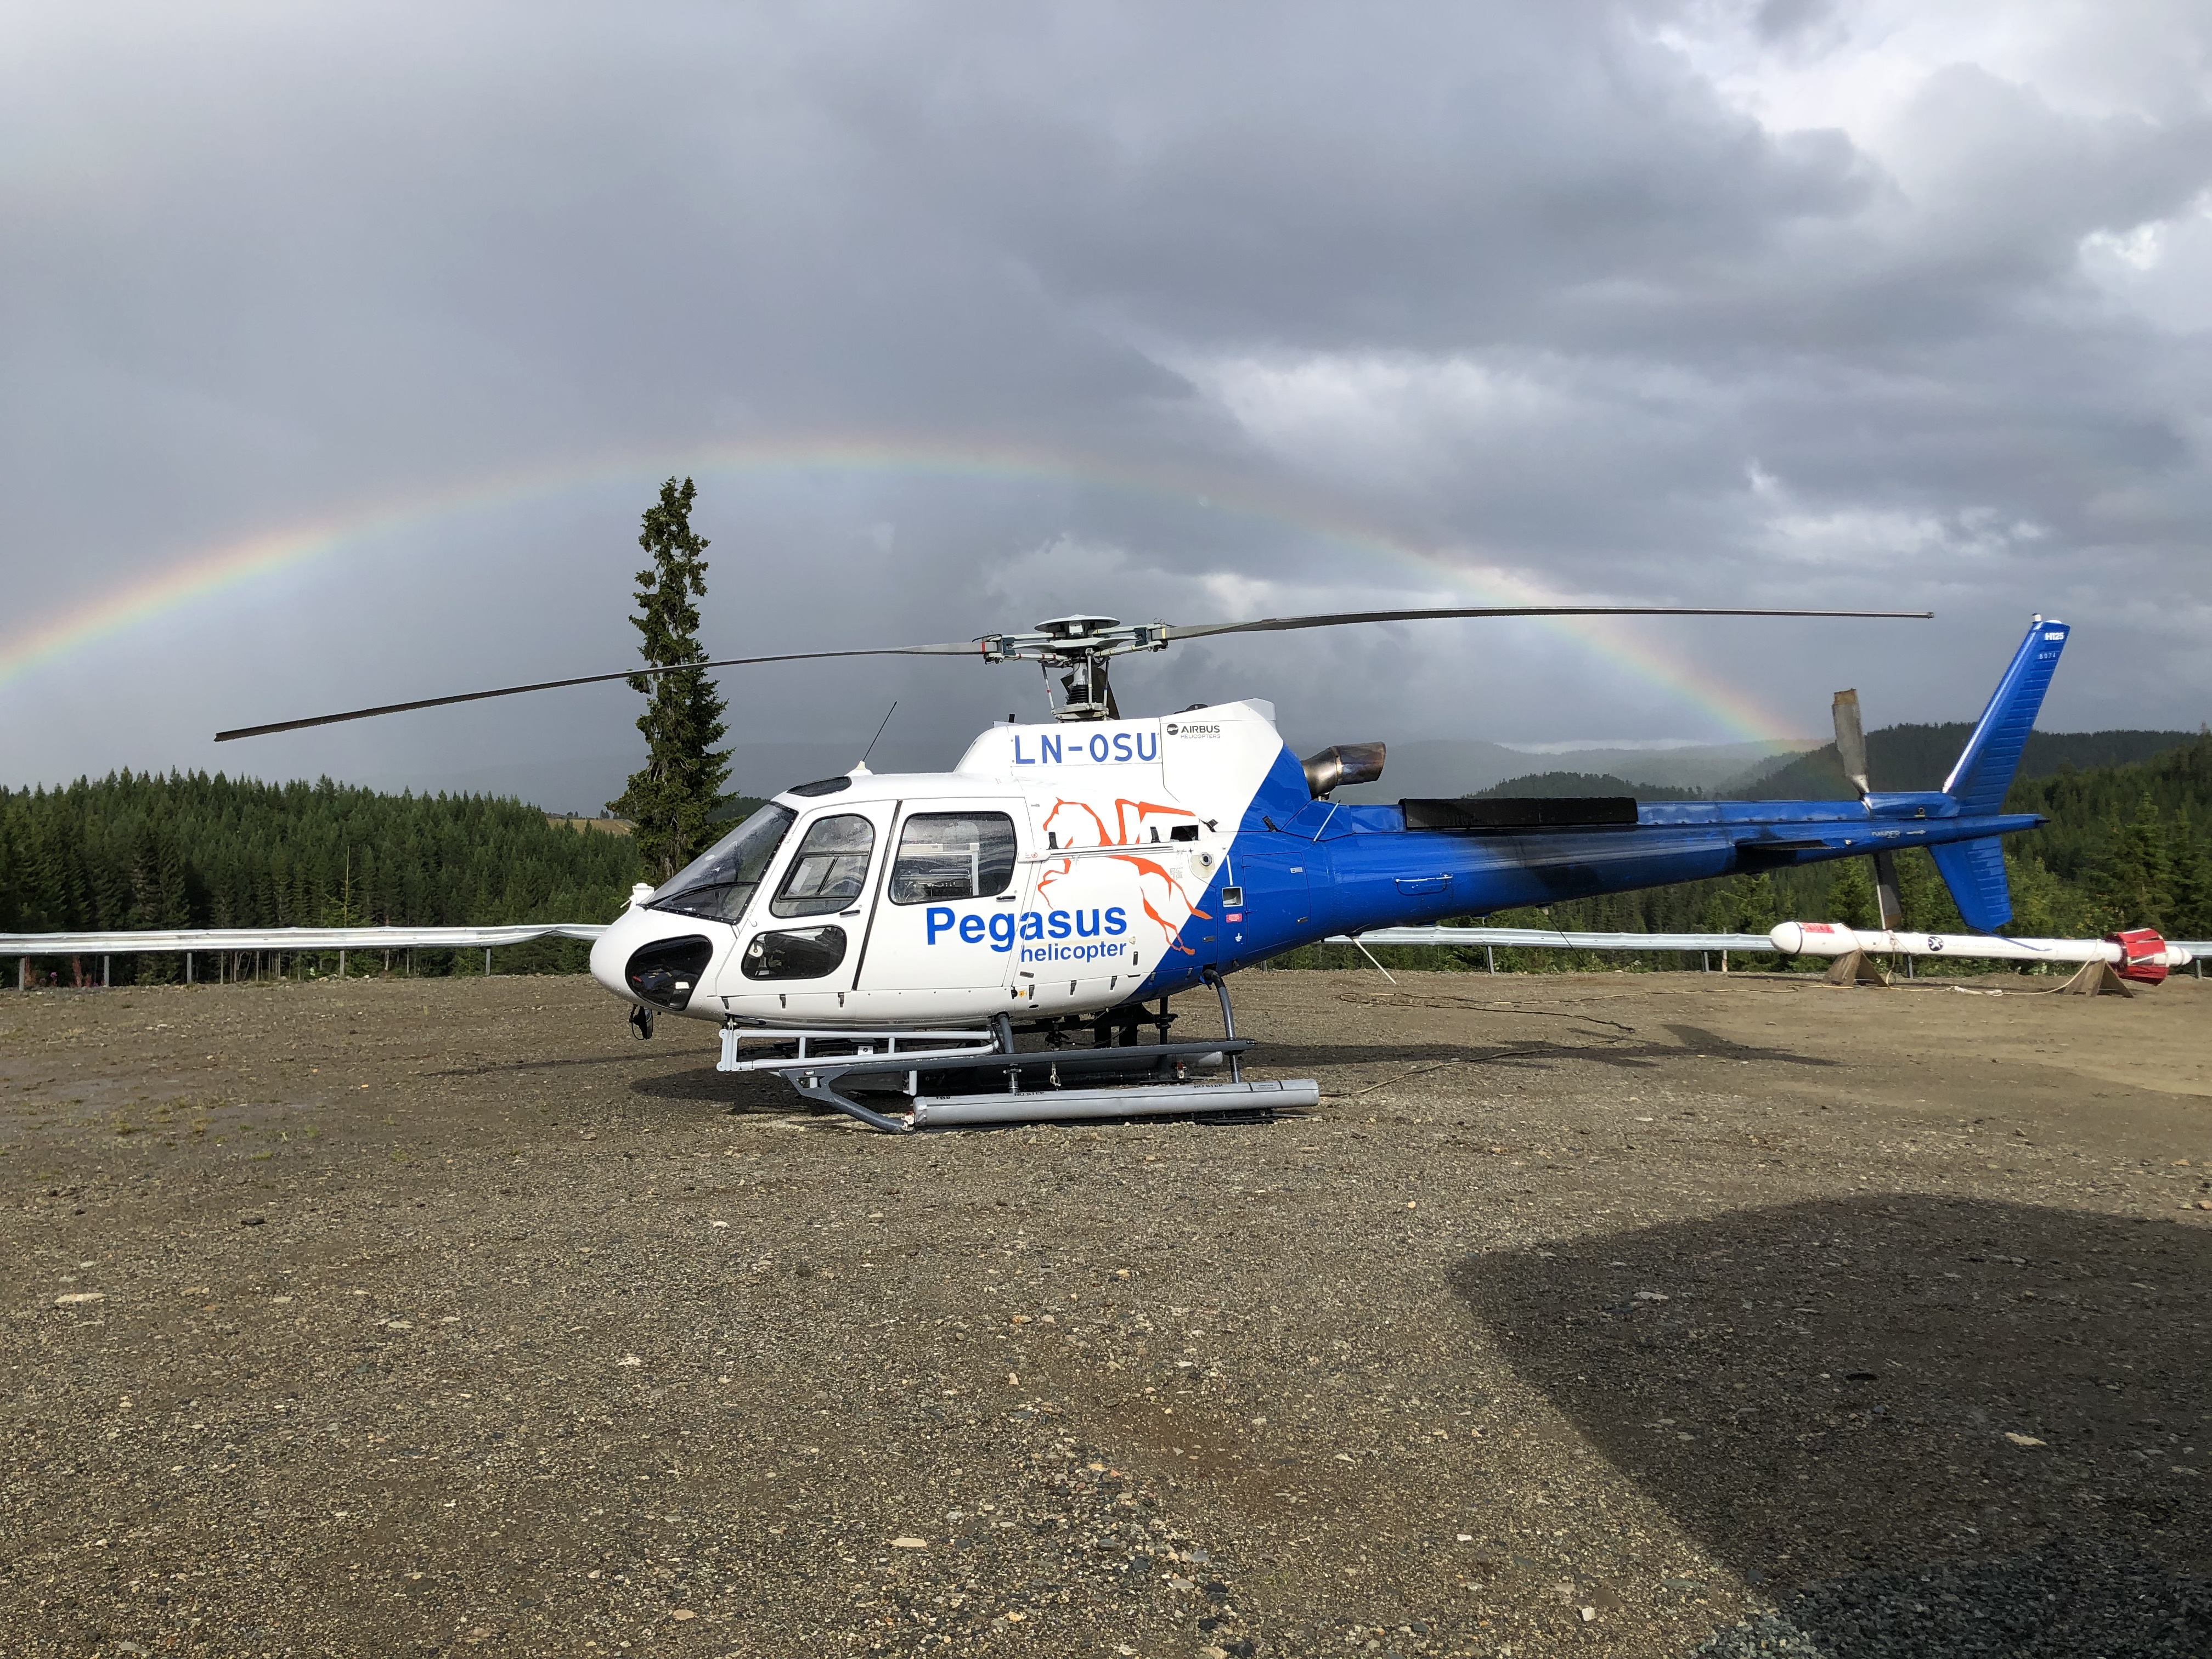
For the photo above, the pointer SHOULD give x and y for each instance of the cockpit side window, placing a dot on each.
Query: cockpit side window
(953, 855)
(831, 868)
(720, 882)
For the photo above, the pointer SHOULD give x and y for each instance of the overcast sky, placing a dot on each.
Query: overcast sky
(965, 315)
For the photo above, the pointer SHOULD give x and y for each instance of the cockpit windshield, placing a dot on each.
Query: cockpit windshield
(720, 882)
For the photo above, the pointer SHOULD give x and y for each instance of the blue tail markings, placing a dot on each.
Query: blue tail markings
(1984, 770)
(1974, 870)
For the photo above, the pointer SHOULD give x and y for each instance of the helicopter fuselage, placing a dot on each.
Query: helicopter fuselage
(1067, 869)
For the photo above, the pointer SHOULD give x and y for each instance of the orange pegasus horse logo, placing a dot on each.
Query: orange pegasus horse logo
(1159, 891)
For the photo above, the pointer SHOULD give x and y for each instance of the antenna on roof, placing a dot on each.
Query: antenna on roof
(877, 738)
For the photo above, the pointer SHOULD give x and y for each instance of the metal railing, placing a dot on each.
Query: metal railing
(222, 941)
(290, 939)
(1706, 945)
(226, 942)
(1557, 939)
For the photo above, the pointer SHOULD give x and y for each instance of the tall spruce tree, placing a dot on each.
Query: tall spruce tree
(673, 800)
(1852, 897)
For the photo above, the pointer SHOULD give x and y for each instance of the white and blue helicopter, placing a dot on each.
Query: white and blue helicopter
(884, 940)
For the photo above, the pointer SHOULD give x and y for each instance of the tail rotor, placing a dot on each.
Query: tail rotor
(1851, 750)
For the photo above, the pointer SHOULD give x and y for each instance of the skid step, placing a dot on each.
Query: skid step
(944, 1111)
(1033, 1086)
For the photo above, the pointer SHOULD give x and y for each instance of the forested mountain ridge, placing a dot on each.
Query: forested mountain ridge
(1909, 757)
(2136, 841)
(134, 851)
(1553, 786)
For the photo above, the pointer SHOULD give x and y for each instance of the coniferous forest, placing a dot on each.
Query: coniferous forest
(2127, 846)
(138, 851)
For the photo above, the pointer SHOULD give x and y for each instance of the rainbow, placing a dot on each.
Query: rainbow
(196, 577)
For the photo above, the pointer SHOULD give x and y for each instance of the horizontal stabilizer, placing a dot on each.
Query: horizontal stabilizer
(1494, 813)
(1974, 872)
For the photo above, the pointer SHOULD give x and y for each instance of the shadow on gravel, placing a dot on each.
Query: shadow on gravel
(1634, 1054)
(1922, 1425)
(741, 1093)
(1402, 1055)
(1696, 1040)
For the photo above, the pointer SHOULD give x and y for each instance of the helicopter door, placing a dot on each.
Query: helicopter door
(942, 937)
(798, 951)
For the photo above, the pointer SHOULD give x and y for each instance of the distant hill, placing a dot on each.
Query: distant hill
(582, 825)
(1553, 786)
(1921, 757)
(1443, 768)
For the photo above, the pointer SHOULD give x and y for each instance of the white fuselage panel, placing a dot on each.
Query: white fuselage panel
(1047, 873)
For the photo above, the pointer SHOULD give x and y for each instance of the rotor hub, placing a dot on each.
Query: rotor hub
(1083, 644)
(1078, 628)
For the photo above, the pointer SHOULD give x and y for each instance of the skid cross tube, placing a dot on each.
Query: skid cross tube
(864, 1046)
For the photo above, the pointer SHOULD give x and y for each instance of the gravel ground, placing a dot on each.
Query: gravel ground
(1642, 1314)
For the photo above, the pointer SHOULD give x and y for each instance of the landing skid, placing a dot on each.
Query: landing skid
(949, 1078)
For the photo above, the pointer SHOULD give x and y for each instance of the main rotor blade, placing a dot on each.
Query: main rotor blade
(1850, 742)
(1283, 624)
(967, 649)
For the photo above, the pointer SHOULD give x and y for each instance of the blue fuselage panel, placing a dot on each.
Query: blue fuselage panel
(1326, 870)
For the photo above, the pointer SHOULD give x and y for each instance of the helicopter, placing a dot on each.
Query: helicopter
(888, 937)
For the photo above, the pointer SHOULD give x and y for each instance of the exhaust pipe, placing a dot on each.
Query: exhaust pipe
(1346, 763)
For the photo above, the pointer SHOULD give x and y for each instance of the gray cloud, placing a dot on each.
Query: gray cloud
(1714, 302)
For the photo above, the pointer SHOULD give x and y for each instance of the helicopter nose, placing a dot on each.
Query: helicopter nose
(611, 952)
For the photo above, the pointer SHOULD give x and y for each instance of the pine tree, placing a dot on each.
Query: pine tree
(1921, 895)
(673, 797)
(1723, 912)
(2133, 875)
(1850, 899)
(1756, 907)
(2190, 914)
(2043, 907)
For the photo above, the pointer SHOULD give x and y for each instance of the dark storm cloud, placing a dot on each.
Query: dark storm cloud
(1654, 301)
(1392, 177)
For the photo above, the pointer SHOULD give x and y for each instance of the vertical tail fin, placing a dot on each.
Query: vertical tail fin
(1974, 872)
(1984, 770)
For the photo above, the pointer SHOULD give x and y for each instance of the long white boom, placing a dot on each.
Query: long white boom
(1824, 939)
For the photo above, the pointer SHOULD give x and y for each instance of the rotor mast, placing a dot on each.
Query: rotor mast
(1082, 645)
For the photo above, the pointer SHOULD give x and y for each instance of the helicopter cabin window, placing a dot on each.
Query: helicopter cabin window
(720, 883)
(829, 870)
(800, 953)
(953, 855)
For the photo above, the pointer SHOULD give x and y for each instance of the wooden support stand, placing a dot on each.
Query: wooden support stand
(2095, 979)
(1857, 968)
